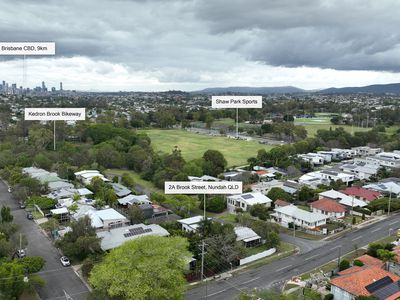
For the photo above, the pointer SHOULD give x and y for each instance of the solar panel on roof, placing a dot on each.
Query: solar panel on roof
(388, 290)
(379, 284)
(247, 196)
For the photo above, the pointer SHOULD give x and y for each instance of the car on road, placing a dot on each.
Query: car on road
(22, 205)
(29, 216)
(65, 261)
(21, 253)
(9, 189)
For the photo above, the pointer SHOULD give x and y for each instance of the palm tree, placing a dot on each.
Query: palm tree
(387, 256)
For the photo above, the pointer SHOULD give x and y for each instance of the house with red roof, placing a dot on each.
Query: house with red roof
(364, 281)
(361, 193)
(281, 203)
(328, 207)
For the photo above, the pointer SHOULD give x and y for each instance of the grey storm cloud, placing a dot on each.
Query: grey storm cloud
(204, 35)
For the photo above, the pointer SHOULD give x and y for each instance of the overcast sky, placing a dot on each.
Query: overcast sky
(192, 44)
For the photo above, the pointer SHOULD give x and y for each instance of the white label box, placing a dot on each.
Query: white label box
(203, 187)
(236, 101)
(27, 48)
(55, 114)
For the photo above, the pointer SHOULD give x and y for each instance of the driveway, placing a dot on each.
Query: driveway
(58, 278)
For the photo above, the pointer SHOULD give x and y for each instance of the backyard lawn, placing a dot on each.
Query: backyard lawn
(194, 145)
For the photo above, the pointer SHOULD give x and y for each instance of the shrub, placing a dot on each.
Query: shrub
(344, 264)
(358, 263)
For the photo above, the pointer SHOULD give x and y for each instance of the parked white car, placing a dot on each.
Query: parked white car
(65, 261)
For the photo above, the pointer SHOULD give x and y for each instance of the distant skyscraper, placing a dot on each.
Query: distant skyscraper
(61, 86)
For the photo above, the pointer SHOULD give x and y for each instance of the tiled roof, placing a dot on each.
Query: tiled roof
(361, 192)
(355, 282)
(350, 270)
(328, 205)
(280, 202)
(370, 261)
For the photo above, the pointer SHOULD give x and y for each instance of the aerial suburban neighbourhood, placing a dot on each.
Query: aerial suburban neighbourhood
(155, 150)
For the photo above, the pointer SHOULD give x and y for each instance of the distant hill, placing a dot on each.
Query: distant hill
(393, 88)
(250, 90)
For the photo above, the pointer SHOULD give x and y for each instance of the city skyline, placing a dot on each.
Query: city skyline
(191, 45)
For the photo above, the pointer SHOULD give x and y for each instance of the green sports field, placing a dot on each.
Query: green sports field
(194, 145)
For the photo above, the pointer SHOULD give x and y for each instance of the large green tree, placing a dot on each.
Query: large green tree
(214, 162)
(150, 267)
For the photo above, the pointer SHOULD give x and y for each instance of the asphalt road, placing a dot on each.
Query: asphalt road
(58, 278)
(274, 274)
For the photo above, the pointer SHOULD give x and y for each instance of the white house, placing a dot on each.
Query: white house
(247, 236)
(292, 214)
(366, 151)
(386, 159)
(361, 169)
(106, 219)
(243, 201)
(332, 175)
(191, 224)
(312, 158)
(116, 237)
(342, 198)
(134, 199)
(265, 186)
(385, 187)
(86, 176)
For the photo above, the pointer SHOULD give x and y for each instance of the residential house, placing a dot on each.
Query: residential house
(86, 176)
(345, 153)
(291, 187)
(281, 203)
(385, 187)
(117, 236)
(247, 236)
(361, 281)
(362, 169)
(361, 193)
(312, 180)
(292, 214)
(264, 175)
(328, 207)
(333, 175)
(313, 158)
(265, 186)
(203, 178)
(343, 199)
(244, 201)
(62, 214)
(106, 219)
(134, 200)
(120, 190)
(366, 151)
(191, 224)
(386, 159)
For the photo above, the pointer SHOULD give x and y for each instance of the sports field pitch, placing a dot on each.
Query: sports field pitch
(194, 145)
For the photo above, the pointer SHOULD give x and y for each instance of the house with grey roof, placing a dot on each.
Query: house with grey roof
(115, 237)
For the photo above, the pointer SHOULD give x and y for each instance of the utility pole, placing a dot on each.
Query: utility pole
(237, 123)
(54, 137)
(339, 257)
(203, 277)
(390, 199)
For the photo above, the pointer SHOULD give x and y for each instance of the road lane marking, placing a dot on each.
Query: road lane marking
(394, 222)
(357, 238)
(311, 257)
(377, 229)
(250, 280)
(336, 247)
(277, 270)
(216, 293)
